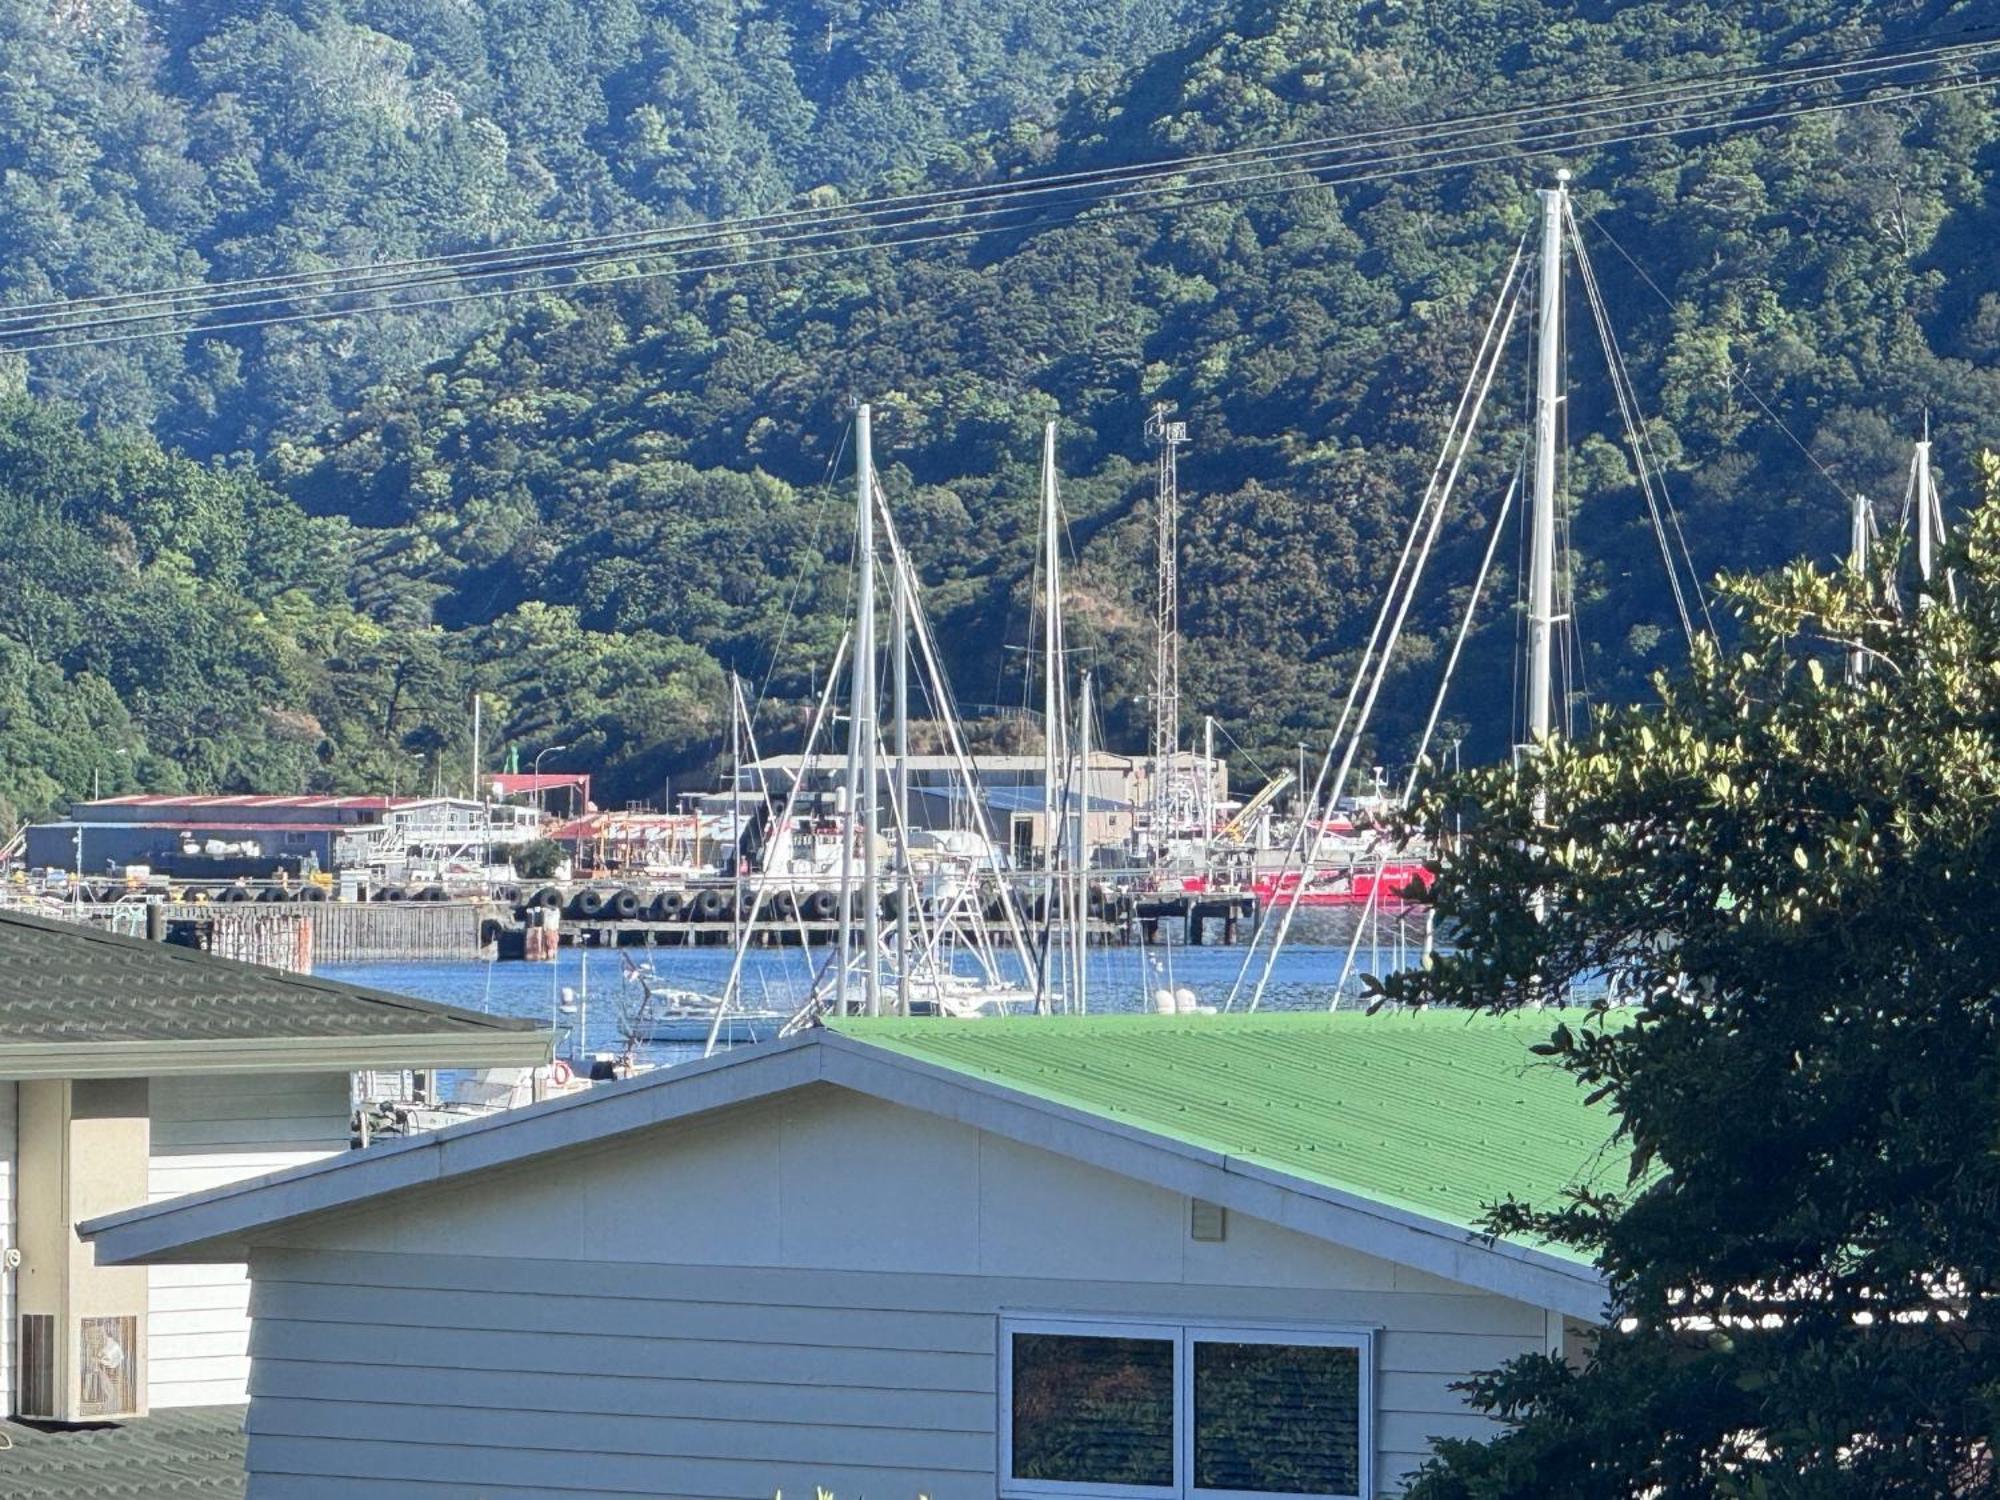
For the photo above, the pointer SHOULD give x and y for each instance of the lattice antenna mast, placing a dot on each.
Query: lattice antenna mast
(1168, 436)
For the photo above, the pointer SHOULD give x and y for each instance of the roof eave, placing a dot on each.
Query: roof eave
(154, 1059)
(1362, 1223)
(213, 1226)
(217, 1225)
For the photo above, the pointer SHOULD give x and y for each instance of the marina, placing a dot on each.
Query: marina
(1122, 980)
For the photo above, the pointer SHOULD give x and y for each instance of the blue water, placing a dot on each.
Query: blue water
(1120, 979)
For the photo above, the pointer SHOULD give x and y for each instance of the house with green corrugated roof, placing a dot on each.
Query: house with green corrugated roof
(1156, 1257)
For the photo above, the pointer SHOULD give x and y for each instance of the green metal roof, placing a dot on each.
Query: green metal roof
(1438, 1112)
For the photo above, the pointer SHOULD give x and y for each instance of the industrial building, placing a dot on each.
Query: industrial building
(1009, 793)
(255, 837)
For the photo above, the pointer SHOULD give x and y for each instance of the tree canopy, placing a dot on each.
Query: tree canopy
(1790, 880)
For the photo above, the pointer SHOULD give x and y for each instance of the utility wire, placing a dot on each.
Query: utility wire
(539, 256)
(1419, 163)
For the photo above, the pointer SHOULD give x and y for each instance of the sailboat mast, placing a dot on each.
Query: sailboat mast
(1080, 931)
(1548, 415)
(1926, 562)
(1207, 800)
(905, 892)
(1166, 621)
(1052, 705)
(860, 701)
(867, 723)
(1857, 559)
(735, 809)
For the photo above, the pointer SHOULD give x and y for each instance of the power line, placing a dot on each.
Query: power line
(1285, 163)
(1836, 67)
(830, 225)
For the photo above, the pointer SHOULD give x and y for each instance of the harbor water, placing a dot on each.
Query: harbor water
(586, 992)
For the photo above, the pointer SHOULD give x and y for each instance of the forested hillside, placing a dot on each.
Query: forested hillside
(591, 505)
(153, 142)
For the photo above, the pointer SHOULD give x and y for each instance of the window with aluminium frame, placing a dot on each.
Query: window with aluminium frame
(1183, 1410)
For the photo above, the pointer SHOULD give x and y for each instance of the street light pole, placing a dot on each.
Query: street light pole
(545, 750)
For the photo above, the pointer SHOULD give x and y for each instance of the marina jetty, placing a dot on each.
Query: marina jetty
(292, 882)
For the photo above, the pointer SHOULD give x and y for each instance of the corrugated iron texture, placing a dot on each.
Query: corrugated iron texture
(1440, 1112)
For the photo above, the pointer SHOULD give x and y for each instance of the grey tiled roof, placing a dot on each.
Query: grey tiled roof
(62, 984)
(194, 1453)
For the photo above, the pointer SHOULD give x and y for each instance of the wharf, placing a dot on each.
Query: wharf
(300, 935)
(1138, 918)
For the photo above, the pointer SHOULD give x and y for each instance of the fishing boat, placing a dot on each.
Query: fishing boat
(1384, 884)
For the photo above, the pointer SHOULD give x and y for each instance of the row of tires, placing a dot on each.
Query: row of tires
(229, 895)
(710, 904)
(718, 904)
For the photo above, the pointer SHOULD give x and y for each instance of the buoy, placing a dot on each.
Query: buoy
(1163, 1002)
(560, 1074)
(1185, 1002)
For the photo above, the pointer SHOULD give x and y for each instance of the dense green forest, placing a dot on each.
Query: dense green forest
(287, 556)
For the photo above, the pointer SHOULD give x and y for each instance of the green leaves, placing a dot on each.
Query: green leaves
(1793, 890)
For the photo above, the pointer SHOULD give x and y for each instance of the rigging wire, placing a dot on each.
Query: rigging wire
(1225, 189)
(1397, 602)
(1382, 662)
(1644, 458)
(1437, 705)
(1656, 96)
(825, 487)
(1502, 305)
(1738, 381)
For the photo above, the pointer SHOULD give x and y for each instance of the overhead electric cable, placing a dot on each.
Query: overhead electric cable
(1570, 139)
(534, 256)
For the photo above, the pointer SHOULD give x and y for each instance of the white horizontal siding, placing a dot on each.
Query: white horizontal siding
(794, 1295)
(207, 1132)
(477, 1375)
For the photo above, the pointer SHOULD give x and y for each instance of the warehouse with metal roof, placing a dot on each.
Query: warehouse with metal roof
(1135, 1255)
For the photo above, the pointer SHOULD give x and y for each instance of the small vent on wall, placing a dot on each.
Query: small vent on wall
(108, 1367)
(1207, 1221)
(38, 1366)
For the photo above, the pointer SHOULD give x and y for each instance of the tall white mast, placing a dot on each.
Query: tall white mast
(476, 797)
(1080, 931)
(861, 733)
(1549, 399)
(905, 888)
(867, 721)
(1053, 759)
(736, 713)
(1857, 559)
(1207, 799)
(1169, 436)
(1926, 517)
